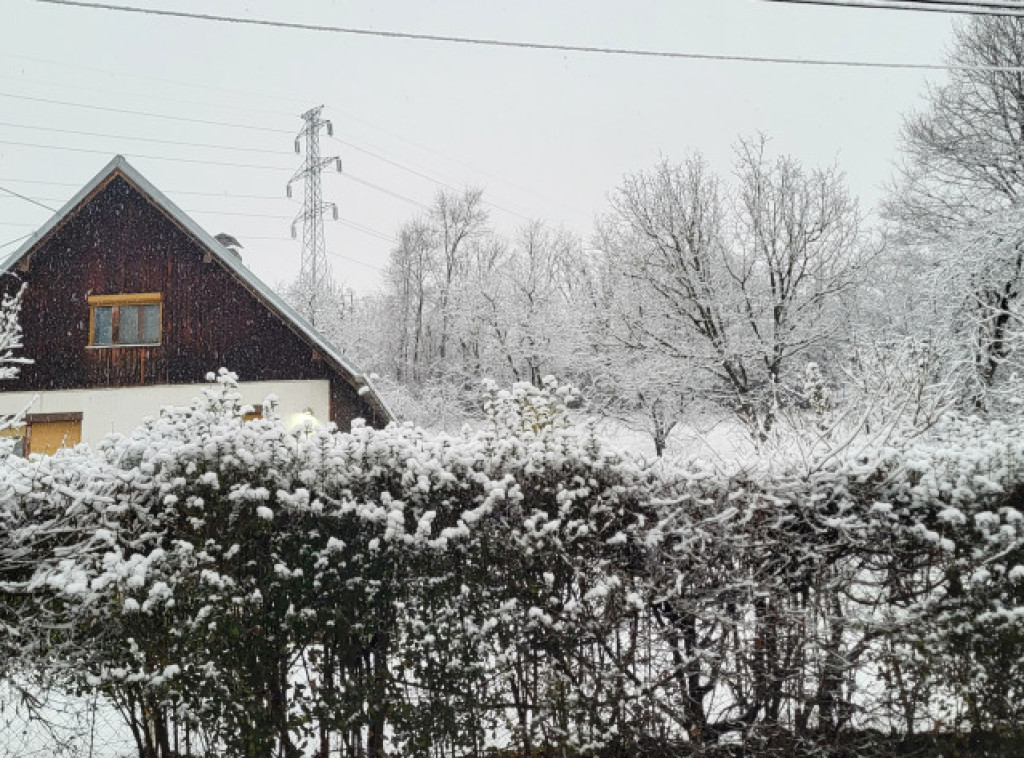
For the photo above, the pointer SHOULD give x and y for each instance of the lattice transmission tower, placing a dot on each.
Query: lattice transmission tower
(315, 284)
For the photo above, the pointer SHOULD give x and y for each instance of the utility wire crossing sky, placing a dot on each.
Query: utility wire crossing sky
(964, 8)
(544, 107)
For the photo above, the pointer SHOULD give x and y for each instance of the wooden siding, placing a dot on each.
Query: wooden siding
(118, 242)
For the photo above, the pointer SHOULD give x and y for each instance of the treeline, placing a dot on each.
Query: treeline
(702, 288)
(694, 289)
(238, 589)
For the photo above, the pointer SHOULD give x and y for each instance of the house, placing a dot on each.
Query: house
(130, 304)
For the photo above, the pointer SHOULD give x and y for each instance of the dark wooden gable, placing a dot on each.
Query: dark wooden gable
(119, 242)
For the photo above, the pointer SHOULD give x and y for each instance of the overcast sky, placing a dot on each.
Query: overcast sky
(546, 134)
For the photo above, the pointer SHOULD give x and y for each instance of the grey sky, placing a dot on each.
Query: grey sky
(547, 134)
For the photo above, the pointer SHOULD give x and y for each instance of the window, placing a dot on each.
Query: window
(46, 433)
(125, 319)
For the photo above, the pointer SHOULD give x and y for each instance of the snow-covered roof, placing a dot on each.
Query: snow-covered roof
(229, 260)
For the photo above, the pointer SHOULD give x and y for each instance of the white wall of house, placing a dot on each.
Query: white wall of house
(123, 409)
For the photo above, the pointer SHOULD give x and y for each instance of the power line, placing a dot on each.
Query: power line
(201, 161)
(352, 224)
(40, 202)
(15, 240)
(386, 191)
(39, 199)
(179, 143)
(137, 139)
(961, 8)
(39, 181)
(353, 260)
(144, 157)
(368, 230)
(1007, 4)
(77, 66)
(390, 162)
(26, 199)
(345, 222)
(465, 164)
(247, 215)
(420, 174)
(357, 227)
(225, 195)
(527, 45)
(242, 126)
(149, 114)
(182, 101)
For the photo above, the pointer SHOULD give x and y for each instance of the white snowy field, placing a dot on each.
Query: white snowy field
(722, 442)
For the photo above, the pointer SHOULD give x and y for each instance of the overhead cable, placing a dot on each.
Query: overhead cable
(21, 79)
(56, 130)
(527, 45)
(79, 66)
(385, 190)
(145, 157)
(353, 260)
(40, 201)
(16, 240)
(225, 195)
(422, 175)
(148, 114)
(960, 8)
(356, 179)
(26, 199)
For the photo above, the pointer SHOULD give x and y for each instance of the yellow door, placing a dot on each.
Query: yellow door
(47, 437)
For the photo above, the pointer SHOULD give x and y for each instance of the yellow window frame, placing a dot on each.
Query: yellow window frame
(115, 301)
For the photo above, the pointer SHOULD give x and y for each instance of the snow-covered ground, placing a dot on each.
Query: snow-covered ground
(723, 442)
(54, 723)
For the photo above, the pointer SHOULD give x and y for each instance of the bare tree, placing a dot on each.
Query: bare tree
(524, 294)
(964, 155)
(456, 220)
(975, 282)
(734, 283)
(425, 279)
(958, 190)
(796, 250)
(407, 282)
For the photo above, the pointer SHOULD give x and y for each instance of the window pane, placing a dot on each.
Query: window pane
(150, 324)
(101, 325)
(128, 325)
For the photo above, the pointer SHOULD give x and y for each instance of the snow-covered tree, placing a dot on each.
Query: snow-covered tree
(425, 281)
(734, 283)
(956, 202)
(962, 157)
(15, 558)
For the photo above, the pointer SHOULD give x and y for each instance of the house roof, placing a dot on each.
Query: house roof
(119, 165)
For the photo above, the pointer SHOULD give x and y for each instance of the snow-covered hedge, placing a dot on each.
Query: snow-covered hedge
(266, 589)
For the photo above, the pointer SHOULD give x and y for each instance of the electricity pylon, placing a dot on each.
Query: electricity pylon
(315, 284)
